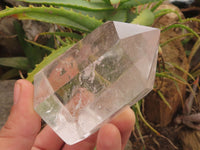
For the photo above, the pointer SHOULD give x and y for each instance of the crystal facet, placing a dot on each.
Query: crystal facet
(110, 68)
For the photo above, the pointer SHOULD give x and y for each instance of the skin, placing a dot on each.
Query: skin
(22, 129)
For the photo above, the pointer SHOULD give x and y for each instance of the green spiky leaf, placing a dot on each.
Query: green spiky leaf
(15, 62)
(33, 53)
(134, 3)
(59, 16)
(46, 61)
(80, 4)
(146, 17)
(114, 2)
(120, 15)
(64, 34)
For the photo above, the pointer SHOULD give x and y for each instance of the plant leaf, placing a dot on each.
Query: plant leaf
(61, 16)
(107, 15)
(131, 16)
(133, 3)
(12, 73)
(99, 15)
(15, 62)
(64, 34)
(33, 53)
(114, 1)
(40, 45)
(107, 1)
(119, 15)
(46, 61)
(196, 73)
(143, 119)
(79, 4)
(157, 5)
(163, 12)
(146, 17)
(164, 99)
(165, 28)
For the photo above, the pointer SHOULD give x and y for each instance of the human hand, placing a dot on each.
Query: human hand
(22, 129)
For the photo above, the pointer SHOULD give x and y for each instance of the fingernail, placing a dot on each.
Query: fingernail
(17, 90)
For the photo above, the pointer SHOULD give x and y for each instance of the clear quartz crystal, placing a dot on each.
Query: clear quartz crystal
(112, 67)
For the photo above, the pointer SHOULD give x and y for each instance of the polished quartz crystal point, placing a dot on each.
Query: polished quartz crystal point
(112, 67)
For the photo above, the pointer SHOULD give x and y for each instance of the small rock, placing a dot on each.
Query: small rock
(33, 28)
(6, 99)
(9, 43)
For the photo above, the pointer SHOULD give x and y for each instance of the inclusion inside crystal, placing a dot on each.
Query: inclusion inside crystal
(112, 67)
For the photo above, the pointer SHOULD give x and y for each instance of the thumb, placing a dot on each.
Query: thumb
(23, 124)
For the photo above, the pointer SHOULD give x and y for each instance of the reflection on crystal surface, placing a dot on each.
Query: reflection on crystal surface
(110, 68)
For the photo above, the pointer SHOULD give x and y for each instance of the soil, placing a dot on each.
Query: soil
(168, 141)
(173, 136)
(160, 117)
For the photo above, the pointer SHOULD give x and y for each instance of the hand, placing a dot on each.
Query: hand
(22, 129)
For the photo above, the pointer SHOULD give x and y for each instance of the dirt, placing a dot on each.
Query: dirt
(156, 112)
(168, 140)
(173, 52)
(172, 137)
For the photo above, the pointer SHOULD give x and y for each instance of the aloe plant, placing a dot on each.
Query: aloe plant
(80, 15)
(61, 16)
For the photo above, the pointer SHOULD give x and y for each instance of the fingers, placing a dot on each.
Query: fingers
(115, 135)
(87, 144)
(125, 122)
(109, 138)
(112, 136)
(23, 124)
(47, 139)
